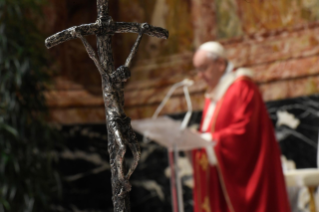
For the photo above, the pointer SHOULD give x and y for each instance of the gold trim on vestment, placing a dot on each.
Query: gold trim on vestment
(206, 205)
(198, 187)
(203, 162)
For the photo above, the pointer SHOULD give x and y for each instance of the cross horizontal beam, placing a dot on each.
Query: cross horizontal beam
(97, 29)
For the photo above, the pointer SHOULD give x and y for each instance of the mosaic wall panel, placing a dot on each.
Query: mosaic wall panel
(277, 40)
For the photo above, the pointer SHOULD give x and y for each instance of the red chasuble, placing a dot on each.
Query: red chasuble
(248, 176)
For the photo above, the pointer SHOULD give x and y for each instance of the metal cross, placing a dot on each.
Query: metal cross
(120, 133)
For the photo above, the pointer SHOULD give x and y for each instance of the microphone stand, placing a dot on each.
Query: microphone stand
(176, 184)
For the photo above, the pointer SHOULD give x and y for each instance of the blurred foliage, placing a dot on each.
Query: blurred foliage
(28, 181)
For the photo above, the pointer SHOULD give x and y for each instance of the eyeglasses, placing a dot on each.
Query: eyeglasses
(202, 69)
(196, 71)
(205, 67)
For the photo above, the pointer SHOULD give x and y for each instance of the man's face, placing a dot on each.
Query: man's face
(208, 69)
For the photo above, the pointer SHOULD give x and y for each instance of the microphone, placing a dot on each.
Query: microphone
(185, 84)
(188, 82)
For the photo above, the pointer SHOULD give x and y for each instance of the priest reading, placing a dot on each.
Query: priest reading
(242, 172)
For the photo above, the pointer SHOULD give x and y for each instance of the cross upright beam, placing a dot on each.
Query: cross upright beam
(120, 132)
(102, 8)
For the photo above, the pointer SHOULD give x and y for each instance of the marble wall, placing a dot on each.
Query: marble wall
(278, 40)
(86, 173)
(297, 128)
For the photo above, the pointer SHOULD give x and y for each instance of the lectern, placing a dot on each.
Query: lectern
(175, 137)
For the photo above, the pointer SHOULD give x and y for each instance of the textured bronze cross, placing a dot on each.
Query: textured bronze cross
(120, 133)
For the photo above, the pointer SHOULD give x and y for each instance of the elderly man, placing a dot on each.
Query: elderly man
(242, 172)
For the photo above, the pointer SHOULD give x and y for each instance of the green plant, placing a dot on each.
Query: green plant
(27, 180)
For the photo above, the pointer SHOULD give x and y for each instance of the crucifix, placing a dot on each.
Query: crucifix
(120, 133)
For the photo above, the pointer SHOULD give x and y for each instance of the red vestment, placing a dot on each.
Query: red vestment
(248, 176)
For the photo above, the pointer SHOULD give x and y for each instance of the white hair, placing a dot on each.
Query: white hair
(212, 56)
(214, 50)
